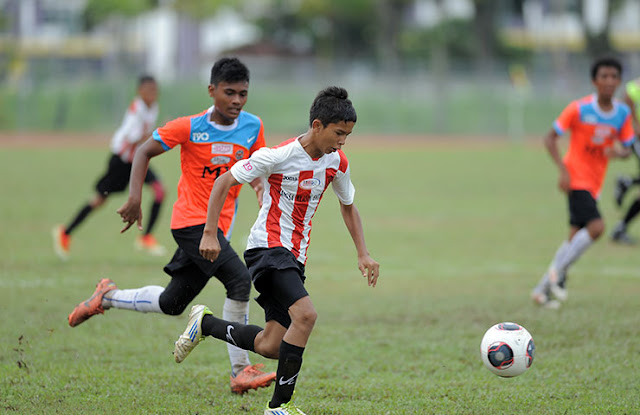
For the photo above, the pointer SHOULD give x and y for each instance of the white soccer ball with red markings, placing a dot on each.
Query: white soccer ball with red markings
(507, 349)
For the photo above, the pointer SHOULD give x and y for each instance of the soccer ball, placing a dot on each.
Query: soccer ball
(507, 349)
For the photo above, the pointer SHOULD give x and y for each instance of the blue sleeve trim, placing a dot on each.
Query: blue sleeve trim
(157, 137)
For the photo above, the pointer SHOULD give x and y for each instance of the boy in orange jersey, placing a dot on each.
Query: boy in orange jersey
(211, 142)
(596, 122)
(138, 122)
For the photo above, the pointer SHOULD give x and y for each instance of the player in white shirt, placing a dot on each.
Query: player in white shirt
(295, 176)
(138, 124)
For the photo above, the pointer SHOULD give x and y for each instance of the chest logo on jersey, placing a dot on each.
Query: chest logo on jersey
(200, 136)
(218, 148)
(309, 184)
(239, 155)
(220, 160)
(600, 135)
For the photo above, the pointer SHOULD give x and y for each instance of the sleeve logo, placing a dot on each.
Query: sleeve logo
(247, 166)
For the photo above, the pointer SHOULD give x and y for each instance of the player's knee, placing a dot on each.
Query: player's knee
(305, 317)
(170, 305)
(596, 229)
(158, 191)
(97, 201)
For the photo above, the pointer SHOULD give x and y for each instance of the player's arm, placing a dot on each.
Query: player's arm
(258, 187)
(209, 245)
(367, 265)
(131, 212)
(551, 144)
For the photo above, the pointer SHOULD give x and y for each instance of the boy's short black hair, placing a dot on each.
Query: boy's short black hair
(229, 70)
(143, 79)
(332, 105)
(607, 61)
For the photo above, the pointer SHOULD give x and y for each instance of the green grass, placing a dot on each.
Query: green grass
(462, 235)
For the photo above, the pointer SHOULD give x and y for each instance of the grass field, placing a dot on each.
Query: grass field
(463, 231)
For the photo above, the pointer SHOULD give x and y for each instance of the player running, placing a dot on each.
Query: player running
(596, 122)
(623, 183)
(138, 123)
(295, 175)
(211, 142)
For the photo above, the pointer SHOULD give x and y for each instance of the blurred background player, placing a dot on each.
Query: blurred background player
(210, 143)
(137, 125)
(596, 122)
(623, 183)
(296, 174)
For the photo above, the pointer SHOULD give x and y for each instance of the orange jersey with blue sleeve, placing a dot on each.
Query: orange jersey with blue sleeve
(592, 131)
(207, 150)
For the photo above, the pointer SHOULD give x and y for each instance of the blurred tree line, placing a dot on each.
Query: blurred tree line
(381, 31)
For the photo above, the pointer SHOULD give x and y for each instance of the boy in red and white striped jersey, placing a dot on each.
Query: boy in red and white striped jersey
(295, 175)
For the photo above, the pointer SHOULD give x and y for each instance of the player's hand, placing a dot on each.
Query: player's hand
(564, 181)
(370, 269)
(210, 246)
(130, 213)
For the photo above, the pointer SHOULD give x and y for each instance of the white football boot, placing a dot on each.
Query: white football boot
(192, 334)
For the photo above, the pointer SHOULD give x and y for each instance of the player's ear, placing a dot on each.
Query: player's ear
(211, 89)
(316, 125)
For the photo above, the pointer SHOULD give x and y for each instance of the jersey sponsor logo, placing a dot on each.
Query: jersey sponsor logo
(200, 136)
(220, 160)
(239, 155)
(309, 184)
(289, 178)
(216, 172)
(590, 119)
(300, 198)
(600, 134)
(218, 148)
(247, 166)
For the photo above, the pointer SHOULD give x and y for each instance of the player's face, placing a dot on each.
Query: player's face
(229, 98)
(332, 137)
(606, 81)
(148, 91)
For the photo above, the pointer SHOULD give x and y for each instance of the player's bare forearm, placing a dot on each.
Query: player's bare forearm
(258, 187)
(368, 266)
(130, 211)
(146, 152)
(209, 245)
(551, 144)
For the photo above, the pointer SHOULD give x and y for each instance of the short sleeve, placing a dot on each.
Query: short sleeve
(260, 142)
(343, 188)
(627, 135)
(566, 119)
(173, 133)
(260, 164)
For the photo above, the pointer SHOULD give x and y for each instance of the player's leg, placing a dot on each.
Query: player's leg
(186, 283)
(233, 274)
(147, 241)
(619, 233)
(283, 291)
(586, 218)
(114, 180)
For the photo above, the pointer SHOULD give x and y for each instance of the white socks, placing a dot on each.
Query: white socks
(145, 299)
(576, 247)
(238, 312)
